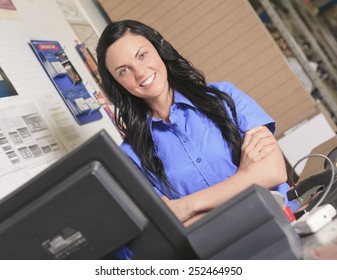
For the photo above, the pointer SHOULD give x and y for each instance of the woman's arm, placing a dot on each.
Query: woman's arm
(261, 163)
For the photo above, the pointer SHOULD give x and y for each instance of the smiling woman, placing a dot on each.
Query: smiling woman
(198, 143)
(136, 65)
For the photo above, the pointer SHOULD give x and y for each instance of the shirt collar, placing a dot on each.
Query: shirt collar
(178, 99)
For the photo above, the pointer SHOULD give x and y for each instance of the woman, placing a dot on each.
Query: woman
(198, 143)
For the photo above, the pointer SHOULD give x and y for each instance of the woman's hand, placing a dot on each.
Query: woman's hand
(180, 207)
(195, 218)
(257, 144)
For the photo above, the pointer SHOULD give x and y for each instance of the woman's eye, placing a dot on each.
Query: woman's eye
(143, 55)
(124, 71)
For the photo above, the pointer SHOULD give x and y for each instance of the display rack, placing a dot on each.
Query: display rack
(326, 92)
(314, 22)
(309, 36)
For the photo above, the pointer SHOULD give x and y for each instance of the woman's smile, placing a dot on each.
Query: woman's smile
(148, 81)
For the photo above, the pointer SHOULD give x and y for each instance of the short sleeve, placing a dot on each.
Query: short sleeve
(249, 112)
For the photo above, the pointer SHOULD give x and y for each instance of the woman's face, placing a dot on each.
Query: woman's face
(135, 64)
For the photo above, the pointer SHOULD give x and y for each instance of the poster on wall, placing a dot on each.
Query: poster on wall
(67, 81)
(6, 87)
(25, 138)
(28, 145)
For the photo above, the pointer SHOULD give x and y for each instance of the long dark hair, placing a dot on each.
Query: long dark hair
(131, 112)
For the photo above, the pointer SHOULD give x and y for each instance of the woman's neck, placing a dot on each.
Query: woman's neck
(161, 108)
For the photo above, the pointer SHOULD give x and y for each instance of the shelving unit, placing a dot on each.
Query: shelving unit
(298, 35)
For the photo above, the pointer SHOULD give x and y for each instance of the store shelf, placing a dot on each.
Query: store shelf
(295, 32)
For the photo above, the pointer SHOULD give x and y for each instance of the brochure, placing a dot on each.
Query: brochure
(67, 81)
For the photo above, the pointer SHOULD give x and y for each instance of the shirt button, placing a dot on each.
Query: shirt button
(198, 160)
(185, 140)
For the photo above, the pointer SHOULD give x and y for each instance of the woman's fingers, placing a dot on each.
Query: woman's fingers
(253, 136)
(179, 207)
(258, 143)
(257, 138)
(165, 198)
(259, 152)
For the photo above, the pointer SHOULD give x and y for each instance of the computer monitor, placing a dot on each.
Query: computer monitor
(86, 205)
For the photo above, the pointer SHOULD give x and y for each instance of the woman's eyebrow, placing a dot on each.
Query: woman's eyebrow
(118, 67)
(121, 66)
(139, 50)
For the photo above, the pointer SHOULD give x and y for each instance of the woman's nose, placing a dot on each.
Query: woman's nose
(139, 70)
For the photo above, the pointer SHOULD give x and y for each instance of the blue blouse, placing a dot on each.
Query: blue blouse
(191, 146)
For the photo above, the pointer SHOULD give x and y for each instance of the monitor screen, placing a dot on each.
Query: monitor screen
(85, 206)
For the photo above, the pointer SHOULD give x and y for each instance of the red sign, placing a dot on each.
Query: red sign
(43, 47)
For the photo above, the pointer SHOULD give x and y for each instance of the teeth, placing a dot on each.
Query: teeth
(148, 81)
